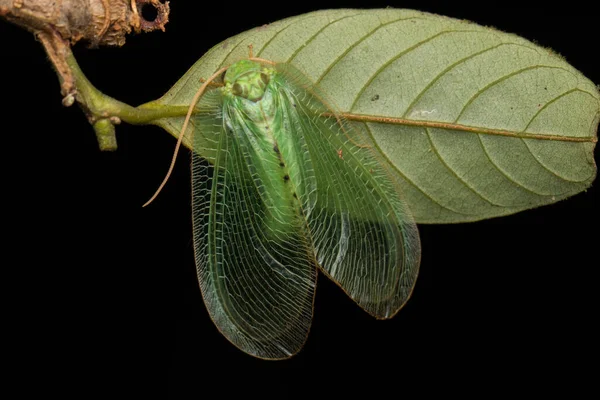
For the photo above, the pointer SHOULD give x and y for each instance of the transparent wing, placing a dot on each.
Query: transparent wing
(257, 276)
(364, 236)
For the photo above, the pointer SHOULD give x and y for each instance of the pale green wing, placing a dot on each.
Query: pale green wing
(257, 276)
(364, 236)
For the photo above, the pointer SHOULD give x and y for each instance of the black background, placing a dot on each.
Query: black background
(108, 288)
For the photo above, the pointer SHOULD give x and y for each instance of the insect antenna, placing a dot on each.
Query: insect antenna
(257, 59)
(262, 60)
(183, 129)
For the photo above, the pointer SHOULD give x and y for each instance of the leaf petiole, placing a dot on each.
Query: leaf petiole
(104, 112)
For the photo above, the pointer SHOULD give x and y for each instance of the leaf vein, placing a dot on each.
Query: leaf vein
(462, 128)
(502, 172)
(461, 180)
(295, 22)
(400, 55)
(395, 168)
(526, 143)
(303, 18)
(226, 56)
(499, 80)
(361, 40)
(452, 66)
(317, 33)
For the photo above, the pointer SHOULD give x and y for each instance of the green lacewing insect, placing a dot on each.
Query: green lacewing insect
(284, 187)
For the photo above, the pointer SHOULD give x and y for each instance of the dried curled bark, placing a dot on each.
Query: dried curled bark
(58, 24)
(100, 22)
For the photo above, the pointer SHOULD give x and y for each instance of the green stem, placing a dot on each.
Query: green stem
(104, 111)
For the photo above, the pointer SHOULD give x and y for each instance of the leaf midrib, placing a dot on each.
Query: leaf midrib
(465, 128)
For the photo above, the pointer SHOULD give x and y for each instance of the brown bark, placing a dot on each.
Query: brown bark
(58, 24)
(99, 22)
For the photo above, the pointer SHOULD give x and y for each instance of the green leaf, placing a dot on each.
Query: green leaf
(477, 123)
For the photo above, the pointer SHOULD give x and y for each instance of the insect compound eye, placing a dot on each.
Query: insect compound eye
(237, 89)
(264, 77)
